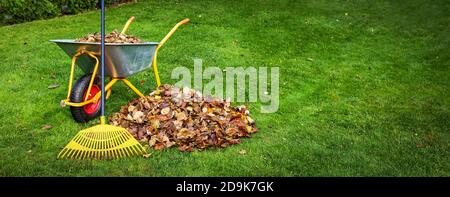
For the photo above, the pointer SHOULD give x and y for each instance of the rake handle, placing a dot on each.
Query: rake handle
(102, 24)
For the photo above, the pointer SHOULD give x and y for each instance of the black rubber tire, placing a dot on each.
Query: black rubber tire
(77, 95)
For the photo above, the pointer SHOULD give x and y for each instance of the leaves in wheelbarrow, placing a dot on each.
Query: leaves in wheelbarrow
(166, 119)
(113, 37)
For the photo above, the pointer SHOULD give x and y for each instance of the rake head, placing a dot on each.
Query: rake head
(102, 142)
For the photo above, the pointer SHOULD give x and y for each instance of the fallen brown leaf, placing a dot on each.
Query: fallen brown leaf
(421, 145)
(53, 86)
(47, 127)
(147, 155)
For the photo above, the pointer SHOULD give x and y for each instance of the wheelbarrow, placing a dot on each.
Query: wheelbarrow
(121, 61)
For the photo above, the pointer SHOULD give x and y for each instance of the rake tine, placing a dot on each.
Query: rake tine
(69, 154)
(131, 151)
(97, 142)
(118, 139)
(73, 154)
(123, 138)
(136, 149)
(129, 135)
(141, 149)
(87, 154)
(130, 148)
(66, 154)
(113, 139)
(133, 148)
(97, 154)
(121, 153)
(85, 141)
(102, 142)
(81, 140)
(77, 138)
(107, 142)
(81, 155)
(124, 150)
(117, 153)
(91, 154)
(62, 153)
(77, 154)
(113, 153)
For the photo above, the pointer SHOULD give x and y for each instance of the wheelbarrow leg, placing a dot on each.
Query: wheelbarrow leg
(132, 87)
(155, 69)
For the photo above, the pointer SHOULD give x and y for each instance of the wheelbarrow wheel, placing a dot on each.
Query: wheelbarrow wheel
(79, 91)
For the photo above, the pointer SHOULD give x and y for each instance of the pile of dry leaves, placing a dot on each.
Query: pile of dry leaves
(171, 116)
(113, 37)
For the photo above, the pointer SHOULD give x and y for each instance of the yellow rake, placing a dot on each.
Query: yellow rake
(102, 141)
(105, 141)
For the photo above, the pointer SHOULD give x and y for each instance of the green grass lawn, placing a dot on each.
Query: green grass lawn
(364, 87)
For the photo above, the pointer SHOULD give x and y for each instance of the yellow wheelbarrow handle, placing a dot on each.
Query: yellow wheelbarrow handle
(125, 28)
(163, 41)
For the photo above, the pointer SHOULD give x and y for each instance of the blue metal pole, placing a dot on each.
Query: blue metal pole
(102, 104)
